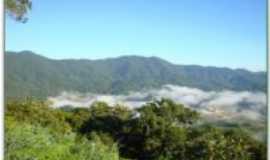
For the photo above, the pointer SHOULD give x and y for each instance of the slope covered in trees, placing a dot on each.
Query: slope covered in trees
(160, 130)
(28, 74)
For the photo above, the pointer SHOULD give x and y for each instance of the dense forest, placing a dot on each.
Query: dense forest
(30, 74)
(159, 130)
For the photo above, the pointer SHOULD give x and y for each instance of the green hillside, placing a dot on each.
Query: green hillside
(29, 74)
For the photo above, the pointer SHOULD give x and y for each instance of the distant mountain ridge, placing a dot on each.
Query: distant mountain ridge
(29, 74)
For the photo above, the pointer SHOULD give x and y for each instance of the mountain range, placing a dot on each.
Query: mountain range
(30, 74)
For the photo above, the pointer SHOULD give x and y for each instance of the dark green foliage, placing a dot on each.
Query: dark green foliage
(160, 130)
(77, 117)
(166, 130)
(106, 119)
(212, 143)
(172, 113)
(28, 74)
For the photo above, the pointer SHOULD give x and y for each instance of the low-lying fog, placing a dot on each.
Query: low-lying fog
(221, 105)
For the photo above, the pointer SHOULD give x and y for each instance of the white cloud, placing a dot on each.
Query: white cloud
(222, 105)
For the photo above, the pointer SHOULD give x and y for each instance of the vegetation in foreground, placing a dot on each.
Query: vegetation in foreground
(160, 130)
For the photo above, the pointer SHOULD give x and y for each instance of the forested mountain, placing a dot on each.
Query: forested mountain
(29, 74)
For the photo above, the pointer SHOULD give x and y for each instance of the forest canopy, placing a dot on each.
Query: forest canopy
(159, 130)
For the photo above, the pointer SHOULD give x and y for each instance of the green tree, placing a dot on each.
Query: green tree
(210, 143)
(107, 119)
(160, 130)
(37, 113)
(77, 117)
(18, 9)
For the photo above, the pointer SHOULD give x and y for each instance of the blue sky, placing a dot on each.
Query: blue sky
(224, 33)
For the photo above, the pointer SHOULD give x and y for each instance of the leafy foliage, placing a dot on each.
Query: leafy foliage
(26, 140)
(37, 113)
(17, 9)
(160, 130)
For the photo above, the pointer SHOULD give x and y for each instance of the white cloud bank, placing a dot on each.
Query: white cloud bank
(221, 105)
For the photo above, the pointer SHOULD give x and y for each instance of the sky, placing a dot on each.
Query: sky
(223, 33)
